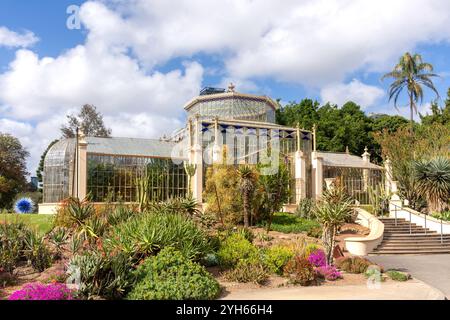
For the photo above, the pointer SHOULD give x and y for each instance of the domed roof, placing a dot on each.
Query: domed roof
(232, 105)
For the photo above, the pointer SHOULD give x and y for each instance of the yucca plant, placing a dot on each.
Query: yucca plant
(433, 178)
(332, 211)
(247, 185)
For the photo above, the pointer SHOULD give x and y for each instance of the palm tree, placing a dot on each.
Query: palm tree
(433, 179)
(247, 185)
(411, 73)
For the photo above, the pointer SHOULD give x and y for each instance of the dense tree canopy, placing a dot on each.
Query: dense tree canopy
(438, 114)
(12, 169)
(89, 121)
(337, 128)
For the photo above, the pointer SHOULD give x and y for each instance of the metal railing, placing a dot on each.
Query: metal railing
(397, 208)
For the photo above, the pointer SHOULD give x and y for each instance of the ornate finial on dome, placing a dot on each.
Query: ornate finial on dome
(231, 87)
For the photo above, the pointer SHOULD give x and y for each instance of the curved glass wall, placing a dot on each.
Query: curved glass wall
(238, 108)
(113, 178)
(58, 171)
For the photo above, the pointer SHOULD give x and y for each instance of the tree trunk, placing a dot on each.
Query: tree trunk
(245, 199)
(411, 107)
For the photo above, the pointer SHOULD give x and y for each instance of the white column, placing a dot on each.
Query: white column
(395, 199)
(81, 189)
(388, 175)
(317, 166)
(300, 176)
(196, 157)
(366, 158)
(217, 150)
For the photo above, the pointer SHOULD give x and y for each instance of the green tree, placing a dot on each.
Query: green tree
(411, 73)
(89, 121)
(40, 168)
(274, 190)
(438, 114)
(337, 127)
(387, 122)
(247, 184)
(12, 169)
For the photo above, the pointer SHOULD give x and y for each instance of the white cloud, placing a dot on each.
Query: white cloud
(356, 91)
(315, 43)
(310, 42)
(13, 39)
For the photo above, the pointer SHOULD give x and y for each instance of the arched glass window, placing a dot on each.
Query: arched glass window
(58, 171)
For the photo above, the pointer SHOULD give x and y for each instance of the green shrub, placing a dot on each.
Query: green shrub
(248, 271)
(374, 273)
(236, 248)
(277, 257)
(171, 276)
(310, 248)
(305, 209)
(244, 232)
(210, 260)
(354, 264)
(300, 271)
(148, 233)
(397, 275)
(37, 252)
(108, 276)
(12, 244)
(289, 223)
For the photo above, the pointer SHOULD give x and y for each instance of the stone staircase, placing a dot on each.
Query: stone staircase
(398, 239)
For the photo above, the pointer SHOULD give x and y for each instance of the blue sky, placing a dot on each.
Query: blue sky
(139, 61)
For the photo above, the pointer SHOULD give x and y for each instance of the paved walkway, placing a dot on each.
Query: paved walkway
(410, 290)
(431, 269)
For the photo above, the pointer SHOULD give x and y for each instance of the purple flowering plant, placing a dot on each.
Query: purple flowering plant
(329, 272)
(39, 291)
(318, 258)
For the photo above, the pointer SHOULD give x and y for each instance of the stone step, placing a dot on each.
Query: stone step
(415, 235)
(416, 241)
(413, 245)
(406, 230)
(390, 252)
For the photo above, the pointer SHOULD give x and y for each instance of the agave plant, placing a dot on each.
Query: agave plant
(332, 211)
(433, 178)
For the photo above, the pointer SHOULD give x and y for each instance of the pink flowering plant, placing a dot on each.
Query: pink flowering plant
(329, 272)
(39, 291)
(318, 258)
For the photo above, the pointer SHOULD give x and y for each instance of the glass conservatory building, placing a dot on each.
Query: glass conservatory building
(222, 127)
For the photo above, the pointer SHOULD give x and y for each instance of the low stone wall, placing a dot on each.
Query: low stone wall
(362, 246)
(418, 218)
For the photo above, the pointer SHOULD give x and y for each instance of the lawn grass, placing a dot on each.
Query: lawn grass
(40, 222)
(367, 207)
(289, 223)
